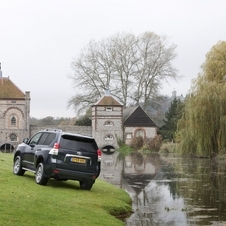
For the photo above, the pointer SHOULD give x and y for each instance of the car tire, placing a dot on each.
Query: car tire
(17, 167)
(86, 184)
(39, 176)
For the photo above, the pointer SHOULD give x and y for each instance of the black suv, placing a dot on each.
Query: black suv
(59, 155)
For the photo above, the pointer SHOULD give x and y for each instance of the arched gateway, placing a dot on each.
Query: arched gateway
(6, 148)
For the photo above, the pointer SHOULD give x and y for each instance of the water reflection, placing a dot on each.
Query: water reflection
(169, 190)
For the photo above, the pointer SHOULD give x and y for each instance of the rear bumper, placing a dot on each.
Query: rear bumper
(52, 171)
(72, 175)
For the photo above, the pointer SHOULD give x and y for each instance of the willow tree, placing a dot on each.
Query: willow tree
(202, 129)
(132, 67)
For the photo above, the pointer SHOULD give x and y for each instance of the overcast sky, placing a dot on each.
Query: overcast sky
(40, 38)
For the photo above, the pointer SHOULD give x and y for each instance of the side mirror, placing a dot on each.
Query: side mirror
(25, 140)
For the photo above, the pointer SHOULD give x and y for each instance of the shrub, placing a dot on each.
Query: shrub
(124, 150)
(168, 147)
(137, 143)
(154, 144)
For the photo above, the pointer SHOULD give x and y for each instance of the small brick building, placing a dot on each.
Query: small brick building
(110, 122)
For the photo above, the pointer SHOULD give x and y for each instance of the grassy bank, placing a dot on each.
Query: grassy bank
(23, 202)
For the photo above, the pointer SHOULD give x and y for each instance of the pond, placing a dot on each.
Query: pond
(170, 190)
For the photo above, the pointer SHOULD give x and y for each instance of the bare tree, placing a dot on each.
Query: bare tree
(154, 66)
(132, 68)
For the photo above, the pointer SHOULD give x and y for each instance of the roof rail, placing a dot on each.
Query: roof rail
(59, 130)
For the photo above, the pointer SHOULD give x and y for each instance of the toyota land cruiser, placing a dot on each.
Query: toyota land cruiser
(59, 155)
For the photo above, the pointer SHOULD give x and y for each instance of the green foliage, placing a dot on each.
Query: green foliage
(172, 116)
(125, 150)
(23, 202)
(168, 147)
(83, 121)
(120, 142)
(50, 121)
(202, 129)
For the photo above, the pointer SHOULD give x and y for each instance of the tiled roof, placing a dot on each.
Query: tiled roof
(9, 90)
(108, 100)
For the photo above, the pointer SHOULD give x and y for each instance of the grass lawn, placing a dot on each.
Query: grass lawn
(23, 202)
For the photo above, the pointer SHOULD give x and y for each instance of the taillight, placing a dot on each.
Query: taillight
(56, 146)
(55, 149)
(99, 153)
(56, 171)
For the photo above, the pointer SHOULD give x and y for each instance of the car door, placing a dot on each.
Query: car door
(32, 145)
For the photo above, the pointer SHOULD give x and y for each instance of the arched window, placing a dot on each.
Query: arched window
(13, 121)
(109, 150)
(13, 137)
(139, 133)
(109, 137)
(108, 123)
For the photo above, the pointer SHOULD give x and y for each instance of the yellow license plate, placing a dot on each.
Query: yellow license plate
(78, 160)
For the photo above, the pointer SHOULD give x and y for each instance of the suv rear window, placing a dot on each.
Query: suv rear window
(78, 143)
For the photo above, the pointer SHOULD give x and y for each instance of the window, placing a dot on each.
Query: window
(108, 108)
(109, 137)
(13, 121)
(13, 137)
(139, 133)
(109, 150)
(128, 136)
(108, 123)
(35, 138)
(78, 143)
(47, 138)
(50, 138)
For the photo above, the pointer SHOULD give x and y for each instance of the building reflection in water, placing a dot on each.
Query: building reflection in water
(169, 191)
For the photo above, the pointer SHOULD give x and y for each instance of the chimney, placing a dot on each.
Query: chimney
(107, 91)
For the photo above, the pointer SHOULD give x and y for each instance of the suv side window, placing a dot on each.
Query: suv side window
(46, 138)
(34, 140)
(43, 138)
